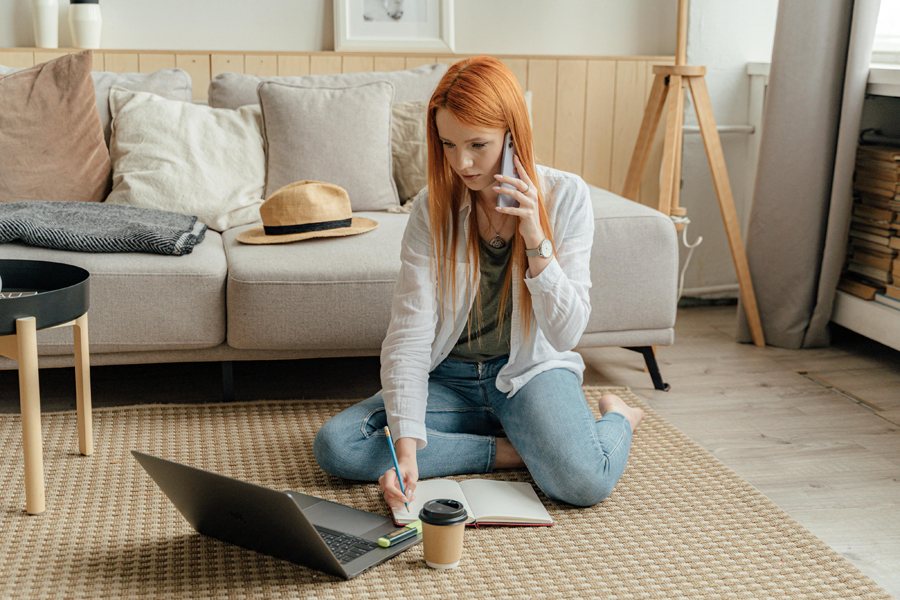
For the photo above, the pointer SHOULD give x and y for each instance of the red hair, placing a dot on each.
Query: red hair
(480, 93)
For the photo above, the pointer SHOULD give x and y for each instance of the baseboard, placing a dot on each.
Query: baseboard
(731, 290)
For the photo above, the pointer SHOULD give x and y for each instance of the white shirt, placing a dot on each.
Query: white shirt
(419, 338)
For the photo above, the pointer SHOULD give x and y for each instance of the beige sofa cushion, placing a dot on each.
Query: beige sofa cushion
(142, 302)
(187, 158)
(335, 294)
(337, 135)
(51, 139)
(232, 90)
(409, 147)
(319, 294)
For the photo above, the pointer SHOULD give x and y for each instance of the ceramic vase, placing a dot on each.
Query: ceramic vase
(84, 22)
(45, 14)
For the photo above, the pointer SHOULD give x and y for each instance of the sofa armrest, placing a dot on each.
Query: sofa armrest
(634, 271)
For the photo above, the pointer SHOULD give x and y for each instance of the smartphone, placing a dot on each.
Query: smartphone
(507, 168)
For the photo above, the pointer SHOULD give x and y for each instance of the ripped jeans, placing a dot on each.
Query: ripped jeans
(572, 456)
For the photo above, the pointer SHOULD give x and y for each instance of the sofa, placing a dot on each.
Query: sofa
(330, 297)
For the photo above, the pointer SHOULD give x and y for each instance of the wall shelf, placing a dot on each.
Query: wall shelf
(884, 80)
(867, 317)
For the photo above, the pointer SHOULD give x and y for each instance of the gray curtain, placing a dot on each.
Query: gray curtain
(800, 218)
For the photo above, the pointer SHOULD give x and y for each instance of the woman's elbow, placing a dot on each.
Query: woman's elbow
(567, 340)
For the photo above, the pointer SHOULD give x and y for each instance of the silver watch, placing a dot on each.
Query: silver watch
(544, 250)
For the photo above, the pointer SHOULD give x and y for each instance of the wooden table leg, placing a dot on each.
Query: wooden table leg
(30, 399)
(83, 386)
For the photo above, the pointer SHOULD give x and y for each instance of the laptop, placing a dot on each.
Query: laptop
(299, 528)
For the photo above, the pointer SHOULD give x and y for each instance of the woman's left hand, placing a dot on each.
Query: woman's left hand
(527, 211)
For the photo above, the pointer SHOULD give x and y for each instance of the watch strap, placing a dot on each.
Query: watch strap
(536, 251)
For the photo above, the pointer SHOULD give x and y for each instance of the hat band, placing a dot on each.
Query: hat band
(306, 227)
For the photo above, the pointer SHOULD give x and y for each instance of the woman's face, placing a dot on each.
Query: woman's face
(473, 154)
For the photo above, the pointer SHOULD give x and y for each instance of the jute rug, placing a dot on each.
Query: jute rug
(679, 525)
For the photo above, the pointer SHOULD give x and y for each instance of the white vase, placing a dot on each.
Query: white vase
(84, 22)
(45, 14)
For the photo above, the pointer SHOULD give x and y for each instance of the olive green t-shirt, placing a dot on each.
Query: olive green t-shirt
(490, 340)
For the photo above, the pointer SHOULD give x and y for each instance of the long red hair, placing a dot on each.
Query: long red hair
(480, 93)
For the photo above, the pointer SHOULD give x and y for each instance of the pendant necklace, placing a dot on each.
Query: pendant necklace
(495, 242)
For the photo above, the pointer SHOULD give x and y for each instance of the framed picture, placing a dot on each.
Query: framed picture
(393, 26)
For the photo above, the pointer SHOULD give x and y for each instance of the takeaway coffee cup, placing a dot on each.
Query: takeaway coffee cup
(443, 525)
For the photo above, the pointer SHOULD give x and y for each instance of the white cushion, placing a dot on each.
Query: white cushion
(187, 158)
(174, 84)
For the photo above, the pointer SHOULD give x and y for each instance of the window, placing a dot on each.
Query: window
(887, 33)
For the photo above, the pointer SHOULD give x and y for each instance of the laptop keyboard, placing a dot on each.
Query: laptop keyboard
(345, 547)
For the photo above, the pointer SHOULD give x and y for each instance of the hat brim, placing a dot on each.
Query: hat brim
(257, 235)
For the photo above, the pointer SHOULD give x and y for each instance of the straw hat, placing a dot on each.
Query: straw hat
(304, 210)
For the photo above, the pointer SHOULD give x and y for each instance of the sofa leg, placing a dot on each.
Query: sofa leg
(652, 367)
(227, 381)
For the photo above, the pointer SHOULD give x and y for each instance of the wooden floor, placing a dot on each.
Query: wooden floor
(817, 431)
(829, 457)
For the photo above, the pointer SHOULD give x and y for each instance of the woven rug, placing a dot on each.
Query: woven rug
(679, 525)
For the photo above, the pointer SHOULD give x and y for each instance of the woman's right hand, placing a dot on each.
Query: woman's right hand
(390, 486)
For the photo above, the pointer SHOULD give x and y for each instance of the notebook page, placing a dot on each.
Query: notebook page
(504, 501)
(430, 489)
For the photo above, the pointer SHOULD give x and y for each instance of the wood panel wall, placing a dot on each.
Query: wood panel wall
(586, 111)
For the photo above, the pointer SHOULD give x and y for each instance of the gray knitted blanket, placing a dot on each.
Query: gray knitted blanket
(96, 227)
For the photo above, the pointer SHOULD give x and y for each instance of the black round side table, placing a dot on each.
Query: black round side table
(62, 299)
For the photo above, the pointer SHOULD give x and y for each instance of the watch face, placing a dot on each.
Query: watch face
(546, 248)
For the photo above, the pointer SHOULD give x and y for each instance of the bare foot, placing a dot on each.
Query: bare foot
(612, 403)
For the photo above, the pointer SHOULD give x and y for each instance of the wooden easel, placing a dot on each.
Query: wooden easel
(668, 86)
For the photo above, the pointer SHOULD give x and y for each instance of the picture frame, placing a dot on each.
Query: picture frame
(393, 26)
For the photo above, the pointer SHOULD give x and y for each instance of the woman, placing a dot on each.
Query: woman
(477, 367)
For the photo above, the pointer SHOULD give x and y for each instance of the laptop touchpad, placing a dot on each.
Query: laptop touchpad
(343, 518)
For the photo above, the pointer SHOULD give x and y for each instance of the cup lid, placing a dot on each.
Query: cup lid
(443, 511)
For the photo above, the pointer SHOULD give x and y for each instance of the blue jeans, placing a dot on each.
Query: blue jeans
(571, 456)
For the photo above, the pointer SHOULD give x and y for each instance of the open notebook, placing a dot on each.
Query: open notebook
(487, 501)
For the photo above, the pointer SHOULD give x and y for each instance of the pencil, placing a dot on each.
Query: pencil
(387, 432)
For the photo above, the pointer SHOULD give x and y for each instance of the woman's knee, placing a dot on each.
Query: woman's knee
(587, 495)
(576, 486)
(328, 444)
(583, 495)
(340, 446)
